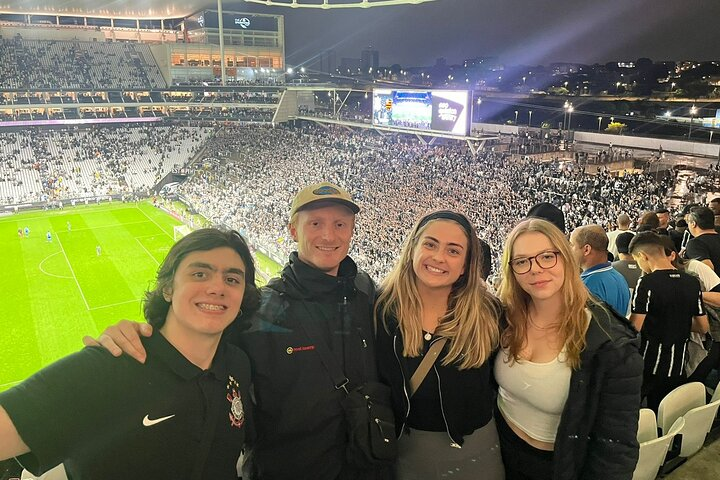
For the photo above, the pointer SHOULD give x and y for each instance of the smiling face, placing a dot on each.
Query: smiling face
(540, 283)
(439, 255)
(207, 291)
(323, 235)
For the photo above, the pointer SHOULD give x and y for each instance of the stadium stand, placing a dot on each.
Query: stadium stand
(56, 164)
(53, 64)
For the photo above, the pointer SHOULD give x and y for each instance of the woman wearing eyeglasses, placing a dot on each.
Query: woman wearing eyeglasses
(568, 371)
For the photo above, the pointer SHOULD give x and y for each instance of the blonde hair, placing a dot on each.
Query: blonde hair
(573, 318)
(471, 321)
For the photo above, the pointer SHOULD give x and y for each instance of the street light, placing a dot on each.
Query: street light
(599, 123)
(529, 118)
(693, 111)
(516, 115)
(570, 110)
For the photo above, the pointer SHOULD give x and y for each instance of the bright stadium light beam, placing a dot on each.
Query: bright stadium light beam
(328, 5)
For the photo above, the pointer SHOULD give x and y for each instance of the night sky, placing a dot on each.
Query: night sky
(529, 32)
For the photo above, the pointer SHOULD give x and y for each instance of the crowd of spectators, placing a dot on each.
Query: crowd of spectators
(53, 64)
(255, 171)
(45, 165)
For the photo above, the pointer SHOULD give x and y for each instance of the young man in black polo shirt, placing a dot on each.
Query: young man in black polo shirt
(666, 306)
(184, 414)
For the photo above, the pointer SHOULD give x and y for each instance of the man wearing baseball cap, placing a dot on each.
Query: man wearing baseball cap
(300, 423)
(301, 429)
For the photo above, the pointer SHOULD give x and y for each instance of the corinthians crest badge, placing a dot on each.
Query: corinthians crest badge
(237, 415)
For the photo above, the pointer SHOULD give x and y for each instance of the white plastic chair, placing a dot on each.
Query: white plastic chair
(653, 452)
(716, 394)
(57, 473)
(678, 402)
(647, 426)
(698, 422)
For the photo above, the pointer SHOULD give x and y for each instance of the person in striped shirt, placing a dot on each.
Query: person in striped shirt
(666, 307)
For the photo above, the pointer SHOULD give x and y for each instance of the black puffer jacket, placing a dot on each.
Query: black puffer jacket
(300, 424)
(597, 435)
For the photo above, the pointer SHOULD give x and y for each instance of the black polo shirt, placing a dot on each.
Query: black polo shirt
(705, 247)
(114, 418)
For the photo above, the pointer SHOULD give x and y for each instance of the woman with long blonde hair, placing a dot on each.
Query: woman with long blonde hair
(569, 370)
(435, 297)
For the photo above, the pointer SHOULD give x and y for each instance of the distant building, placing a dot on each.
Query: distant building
(325, 62)
(369, 58)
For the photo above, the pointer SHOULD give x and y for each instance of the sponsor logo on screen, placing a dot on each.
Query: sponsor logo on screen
(244, 22)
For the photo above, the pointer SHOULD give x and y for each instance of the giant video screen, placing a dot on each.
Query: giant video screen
(429, 110)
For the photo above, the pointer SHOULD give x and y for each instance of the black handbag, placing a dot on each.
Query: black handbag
(369, 417)
(371, 426)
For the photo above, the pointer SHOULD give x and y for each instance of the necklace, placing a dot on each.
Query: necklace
(538, 327)
(428, 336)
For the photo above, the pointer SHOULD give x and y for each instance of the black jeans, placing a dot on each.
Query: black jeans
(522, 461)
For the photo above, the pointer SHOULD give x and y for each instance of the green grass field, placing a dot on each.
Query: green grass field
(55, 292)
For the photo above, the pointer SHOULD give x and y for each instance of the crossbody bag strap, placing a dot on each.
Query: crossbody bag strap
(427, 363)
(323, 350)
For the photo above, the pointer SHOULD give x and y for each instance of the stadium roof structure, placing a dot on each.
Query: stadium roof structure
(159, 9)
(155, 9)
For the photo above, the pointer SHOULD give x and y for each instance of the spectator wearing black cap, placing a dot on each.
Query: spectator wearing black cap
(626, 265)
(705, 246)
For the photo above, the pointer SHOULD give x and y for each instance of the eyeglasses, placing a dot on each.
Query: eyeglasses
(523, 265)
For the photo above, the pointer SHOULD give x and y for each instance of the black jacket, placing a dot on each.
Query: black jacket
(597, 435)
(466, 395)
(301, 432)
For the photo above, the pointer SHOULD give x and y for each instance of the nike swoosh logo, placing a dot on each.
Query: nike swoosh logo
(149, 423)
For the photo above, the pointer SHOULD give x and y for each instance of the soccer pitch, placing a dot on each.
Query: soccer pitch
(54, 292)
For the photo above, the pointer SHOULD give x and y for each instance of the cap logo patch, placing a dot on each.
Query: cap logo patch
(326, 190)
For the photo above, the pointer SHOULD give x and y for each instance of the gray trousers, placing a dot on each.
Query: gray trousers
(428, 455)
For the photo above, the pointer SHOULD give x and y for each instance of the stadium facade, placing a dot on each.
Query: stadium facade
(186, 48)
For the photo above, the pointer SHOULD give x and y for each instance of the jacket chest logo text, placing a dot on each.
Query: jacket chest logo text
(291, 350)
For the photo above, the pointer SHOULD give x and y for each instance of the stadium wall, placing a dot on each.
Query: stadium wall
(161, 53)
(494, 128)
(645, 143)
(682, 147)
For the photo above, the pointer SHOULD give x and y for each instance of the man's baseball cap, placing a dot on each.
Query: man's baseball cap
(322, 192)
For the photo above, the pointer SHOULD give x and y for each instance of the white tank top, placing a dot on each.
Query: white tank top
(533, 395)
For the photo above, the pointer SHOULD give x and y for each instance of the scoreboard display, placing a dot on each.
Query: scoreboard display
(443, 111)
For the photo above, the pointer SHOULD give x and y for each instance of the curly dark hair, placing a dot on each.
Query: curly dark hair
(155, 307)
